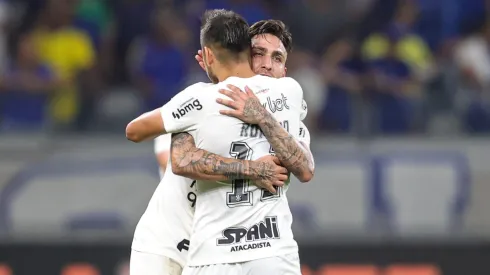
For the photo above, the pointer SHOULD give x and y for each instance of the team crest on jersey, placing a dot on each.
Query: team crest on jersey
(258, 233)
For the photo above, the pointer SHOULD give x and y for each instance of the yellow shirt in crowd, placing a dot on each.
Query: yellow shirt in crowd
(68, 51)
(411, 49)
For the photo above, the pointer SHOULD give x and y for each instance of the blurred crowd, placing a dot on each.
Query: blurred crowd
(367, 67)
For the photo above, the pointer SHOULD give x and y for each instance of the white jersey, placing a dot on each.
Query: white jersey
(237, 222)
(162, 144)
(165, 227)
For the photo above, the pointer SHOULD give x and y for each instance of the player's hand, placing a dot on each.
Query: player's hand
(199, 59)
(271, 173)
(244, 105)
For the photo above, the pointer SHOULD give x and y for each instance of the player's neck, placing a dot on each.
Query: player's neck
(242, 70)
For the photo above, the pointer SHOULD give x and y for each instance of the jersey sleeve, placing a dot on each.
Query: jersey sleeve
(162, 143)
(294, 91)
(304, 135)
(304, 110)
(185, 110)
(294, 94)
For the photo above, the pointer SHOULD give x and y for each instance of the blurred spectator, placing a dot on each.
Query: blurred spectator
(301, 67)
(157, 61)
(70, 53)
(441, 92)
(410, 47)
(314, 22)
(473, 58)
(395, 93)
(26, 87)
(445, 87)
(343, 70)
(381, 12)
(132, 19)
(93, 17)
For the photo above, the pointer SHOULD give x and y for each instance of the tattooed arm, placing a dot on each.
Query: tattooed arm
(289, 151)
(191, 162)
(247, 107)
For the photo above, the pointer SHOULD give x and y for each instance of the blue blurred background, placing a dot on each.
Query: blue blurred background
(399, 110)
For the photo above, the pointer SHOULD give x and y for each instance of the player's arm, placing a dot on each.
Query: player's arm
(192, 162)
(247, 107)
(147, 126)
(289, 151)
(304, 141)
(167, 119)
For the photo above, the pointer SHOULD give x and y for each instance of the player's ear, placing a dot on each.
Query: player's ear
(285, 71)
(208, 56)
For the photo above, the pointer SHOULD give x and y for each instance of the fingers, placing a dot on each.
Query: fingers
(249, 92)
(237, 91)
(230, 113)
(199, 59)
(282, 177)
(228, 93)
(276, 160)
(228, 103)
(282, 170)
(271, 189)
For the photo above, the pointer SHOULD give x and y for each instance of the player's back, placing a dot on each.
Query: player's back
(165, 226)
(232, 219)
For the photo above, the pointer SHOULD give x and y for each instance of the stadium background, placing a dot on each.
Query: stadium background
(398, 95)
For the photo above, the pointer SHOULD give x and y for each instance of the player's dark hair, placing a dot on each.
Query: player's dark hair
(273, 27)
(225, 31)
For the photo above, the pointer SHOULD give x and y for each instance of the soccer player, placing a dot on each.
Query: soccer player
(271, 44)
(159, 239)
(226, 50)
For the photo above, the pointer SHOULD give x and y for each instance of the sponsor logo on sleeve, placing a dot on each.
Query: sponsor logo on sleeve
(187, 107)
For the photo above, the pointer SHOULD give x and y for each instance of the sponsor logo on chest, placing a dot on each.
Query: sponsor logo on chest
(254, 237)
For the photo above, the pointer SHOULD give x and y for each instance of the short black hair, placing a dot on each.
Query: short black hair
(273, 27)
(225, 30)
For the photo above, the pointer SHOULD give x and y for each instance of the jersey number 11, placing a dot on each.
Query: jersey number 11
(240, 196)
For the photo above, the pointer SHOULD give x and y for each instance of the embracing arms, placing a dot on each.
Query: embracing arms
(192, 162)
(246, 106)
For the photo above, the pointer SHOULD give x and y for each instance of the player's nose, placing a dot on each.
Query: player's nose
(267, 64)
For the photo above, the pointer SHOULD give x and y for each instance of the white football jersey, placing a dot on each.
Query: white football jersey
(162, 144)
(165, 227)
(236, 222)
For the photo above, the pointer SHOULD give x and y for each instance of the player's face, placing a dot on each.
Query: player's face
(268, 56)
(208, 58)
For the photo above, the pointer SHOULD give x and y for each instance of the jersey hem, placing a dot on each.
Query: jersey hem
(241, 260)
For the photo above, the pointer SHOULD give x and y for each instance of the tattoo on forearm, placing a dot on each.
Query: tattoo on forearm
(285, 146)
(201, 163)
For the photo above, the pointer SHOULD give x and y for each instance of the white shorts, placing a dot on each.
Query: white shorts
(279, 265)
(142, 263)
